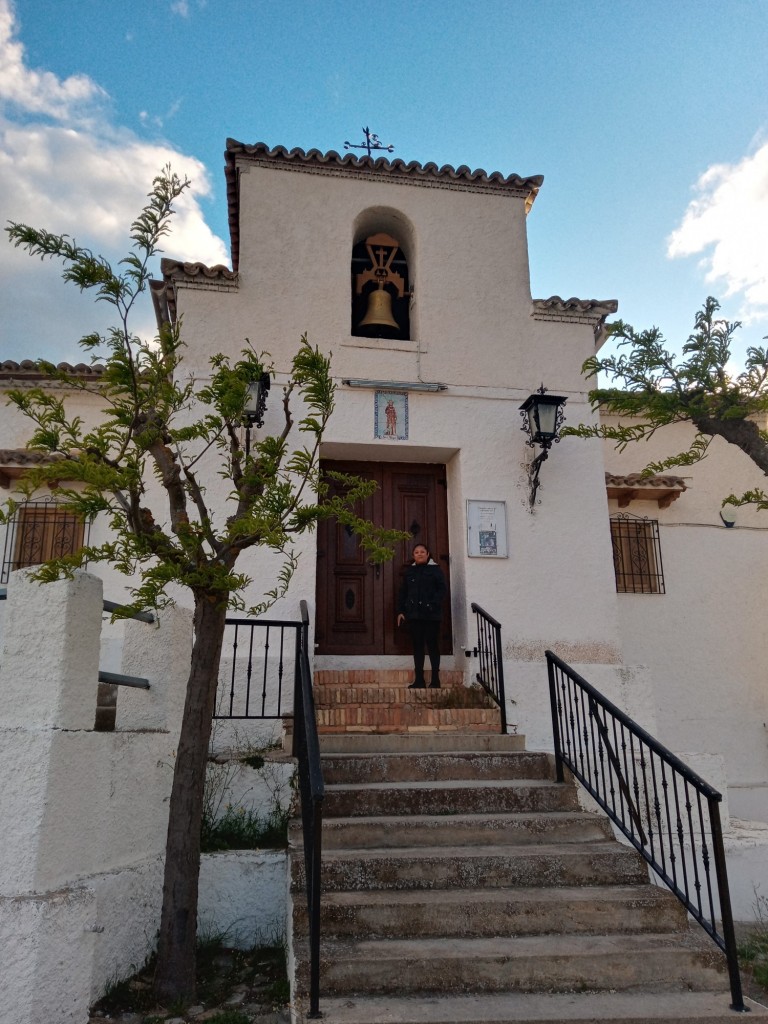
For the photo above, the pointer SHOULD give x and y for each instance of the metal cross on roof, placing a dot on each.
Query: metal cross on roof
(371, 142)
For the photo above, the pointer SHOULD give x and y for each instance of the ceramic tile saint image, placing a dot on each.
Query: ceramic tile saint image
(391, 415)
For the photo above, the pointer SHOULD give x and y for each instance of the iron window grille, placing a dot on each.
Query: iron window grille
(39, 531)
(636, 555)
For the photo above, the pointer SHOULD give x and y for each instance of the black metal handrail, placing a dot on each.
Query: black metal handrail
(660, 804)
(118, 679)
(306, 750)
(491, 674)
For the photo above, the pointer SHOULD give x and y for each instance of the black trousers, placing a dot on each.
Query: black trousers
(425, 633)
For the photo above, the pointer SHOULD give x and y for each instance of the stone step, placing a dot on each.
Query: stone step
(539, 963)
(388, 677)
(405, 716)
(496, 912)
(490, 796)
(460, 830)
(538, 1008)
(557, 864)
(415, 742)
(340, 768)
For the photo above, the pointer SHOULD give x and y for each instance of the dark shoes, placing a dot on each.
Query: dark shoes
(419, 684)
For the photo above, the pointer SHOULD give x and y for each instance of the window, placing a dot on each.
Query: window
(380, 289)
(636, 555)
(38, 531)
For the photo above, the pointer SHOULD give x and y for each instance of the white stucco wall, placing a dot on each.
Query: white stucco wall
(702, 644)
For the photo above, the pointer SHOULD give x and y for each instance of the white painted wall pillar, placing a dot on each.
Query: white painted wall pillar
(160, 652)
(49, 664)
(48, 682)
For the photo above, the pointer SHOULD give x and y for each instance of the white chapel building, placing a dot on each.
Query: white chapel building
(416, 279)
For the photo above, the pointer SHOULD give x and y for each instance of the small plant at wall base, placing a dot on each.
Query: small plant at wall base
(157, 423)
(227, 824)
(753, 949)
(654, 389)
(241, 828)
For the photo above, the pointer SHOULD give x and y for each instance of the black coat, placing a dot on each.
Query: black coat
(422, 592)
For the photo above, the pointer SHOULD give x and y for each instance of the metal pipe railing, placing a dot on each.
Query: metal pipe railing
(117, 679)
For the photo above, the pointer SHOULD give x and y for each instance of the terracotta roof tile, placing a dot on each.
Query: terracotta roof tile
(25, 457)
(163, 292)
(588, 310)
(29, 369)
(396, 171)
(661, 488)
(638, 480)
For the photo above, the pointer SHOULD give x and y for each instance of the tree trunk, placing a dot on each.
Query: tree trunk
(175, 972)
(745, 434)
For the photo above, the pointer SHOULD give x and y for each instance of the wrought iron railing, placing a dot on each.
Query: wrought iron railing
(259, 657)
(636, 554)
(306, 750)
(41, 530)
(491, 661)
(665, 810)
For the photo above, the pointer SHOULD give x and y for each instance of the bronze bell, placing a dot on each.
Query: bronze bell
(379, 312)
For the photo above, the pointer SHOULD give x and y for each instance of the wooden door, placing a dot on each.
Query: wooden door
(357, 601)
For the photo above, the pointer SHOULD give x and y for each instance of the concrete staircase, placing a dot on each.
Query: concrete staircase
(462, 884)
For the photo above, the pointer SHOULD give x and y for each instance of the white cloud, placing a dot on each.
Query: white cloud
(65, 166)
(39, 92)
(727, 223)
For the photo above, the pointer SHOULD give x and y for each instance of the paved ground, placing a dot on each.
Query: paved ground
(234, 987)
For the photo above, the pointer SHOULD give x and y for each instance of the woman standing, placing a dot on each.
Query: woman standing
(420, 604)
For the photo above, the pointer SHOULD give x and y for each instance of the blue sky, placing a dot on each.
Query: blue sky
(648, 120)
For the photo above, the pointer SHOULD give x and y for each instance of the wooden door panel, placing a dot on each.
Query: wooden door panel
(419, 506)
(357, 602)
(348, 619)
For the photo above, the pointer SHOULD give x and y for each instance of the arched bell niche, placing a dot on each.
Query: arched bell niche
(381, 275)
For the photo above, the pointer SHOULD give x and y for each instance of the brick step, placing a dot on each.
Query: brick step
(495, 912)
(489, 796)
(414, 743)
(490, 867)
(406, 716)
(538, 1008)
(384, 696)
(549, 963)
(362, 768)
(383, 677)
(460, 830)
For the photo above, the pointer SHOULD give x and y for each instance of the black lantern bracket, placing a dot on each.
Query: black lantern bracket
(255, 407)
(542, 416)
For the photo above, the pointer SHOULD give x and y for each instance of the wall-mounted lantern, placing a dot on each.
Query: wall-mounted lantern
(543, 417)
(255, 406)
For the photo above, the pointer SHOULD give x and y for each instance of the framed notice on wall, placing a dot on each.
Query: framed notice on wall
(486, 529)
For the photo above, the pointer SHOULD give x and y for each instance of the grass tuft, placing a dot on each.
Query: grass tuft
(242, 829)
